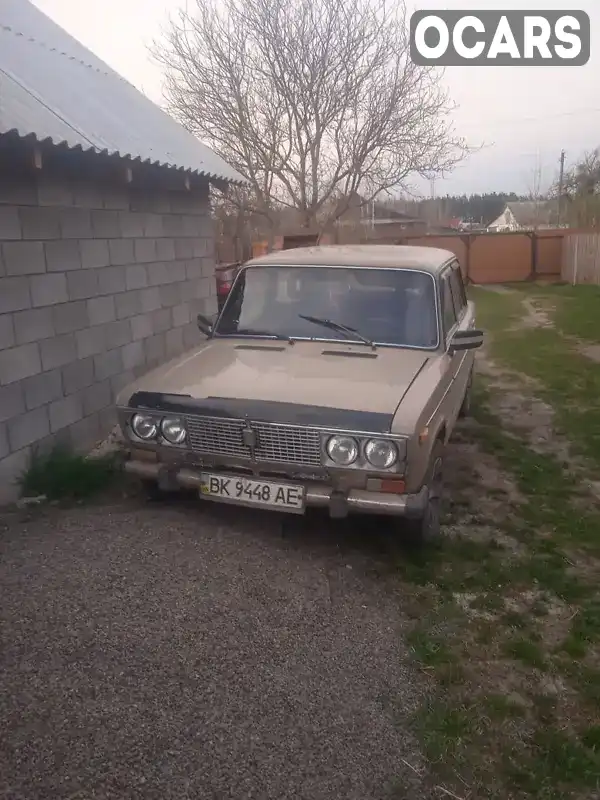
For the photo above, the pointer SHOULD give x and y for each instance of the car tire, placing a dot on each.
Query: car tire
(426, 529)
(465, 409)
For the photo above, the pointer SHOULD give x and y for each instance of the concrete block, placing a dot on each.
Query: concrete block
(115, 198)
(121, 251)
(120, 381)
(157, 273)
(33, 325)
(153, 225)
(133, 355)
(183, 249)
(193, 268)
(140, 200)
(91, 341)
(62, 255)
(181, 315)
(106, 224)
(101, 309)
(23, 258)
(40, 223)
(108, 364)
(97, 397)
(48, 289)
(111, 280)
(136, 276)
(12, 401)
(150, 299)
(128, 304)
(20, 362)
(161, 320)
(141, 326)
(82, 284)
(78, 375)
(11, 468)
(94, 253)
(42, 389)
(155, 348)
(14, 294)
(118, 333)
(28, 428)
(191, 335)
(177, 271)
(208, 267)
(54, 193)
(108, 418)
(85, 434)
(210, 305)
(165, 249)
(145, 250)
(170, 295)
(200, 246)
(65, 412)
(69, 317)
(58, 351)
(21, 191)
(191, 225)
(4, 448)
(86, 194)
(7, 332)
(173, 225)
(76, 223)
(174, 342)
(131, 224)
(10, 224)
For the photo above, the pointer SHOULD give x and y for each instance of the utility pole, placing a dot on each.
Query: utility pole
(561, 181)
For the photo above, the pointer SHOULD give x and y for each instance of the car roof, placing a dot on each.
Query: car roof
(427, 259)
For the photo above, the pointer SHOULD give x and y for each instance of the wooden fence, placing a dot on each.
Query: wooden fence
(581, 258)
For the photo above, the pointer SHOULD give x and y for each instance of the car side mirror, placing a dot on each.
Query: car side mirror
(470, 339)
(205, 324)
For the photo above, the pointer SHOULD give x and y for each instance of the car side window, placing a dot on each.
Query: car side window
(448, 312)
(459, 296)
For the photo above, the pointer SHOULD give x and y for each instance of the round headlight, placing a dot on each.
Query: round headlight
(381, 454)
(173, 429)
(342, 450)
(144, 426)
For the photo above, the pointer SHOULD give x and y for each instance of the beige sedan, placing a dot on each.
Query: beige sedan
(332, 377)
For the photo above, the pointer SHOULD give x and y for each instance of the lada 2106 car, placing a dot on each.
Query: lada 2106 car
(333, 376)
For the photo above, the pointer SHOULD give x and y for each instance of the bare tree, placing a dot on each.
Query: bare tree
(315, 102)
(581, 191)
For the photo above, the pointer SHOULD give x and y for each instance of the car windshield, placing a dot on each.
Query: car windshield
(386, 306)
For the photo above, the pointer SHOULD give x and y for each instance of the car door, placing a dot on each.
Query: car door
(454, 317)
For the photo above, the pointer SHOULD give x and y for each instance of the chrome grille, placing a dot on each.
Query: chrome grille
(277, 444)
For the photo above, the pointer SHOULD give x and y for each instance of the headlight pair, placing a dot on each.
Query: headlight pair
(345, 451)
(147, 427)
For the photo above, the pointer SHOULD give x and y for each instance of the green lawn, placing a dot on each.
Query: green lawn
(507, 608)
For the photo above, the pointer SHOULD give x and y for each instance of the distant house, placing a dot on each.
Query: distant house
(525, 216)
(106, 238)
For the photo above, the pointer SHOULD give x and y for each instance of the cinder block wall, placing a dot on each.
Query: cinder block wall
(98, 284)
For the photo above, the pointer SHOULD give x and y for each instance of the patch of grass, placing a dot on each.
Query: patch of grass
(430, 650)
(527, 651)
(60, 474)
(585, 629)
(500, 707)
(447, 730)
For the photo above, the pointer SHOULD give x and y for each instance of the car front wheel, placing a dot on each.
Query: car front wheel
(424, 530)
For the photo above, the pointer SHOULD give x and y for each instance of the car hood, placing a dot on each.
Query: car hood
(328, 375)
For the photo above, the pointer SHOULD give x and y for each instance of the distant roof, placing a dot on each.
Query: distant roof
(428, 259)
(52, 88)
(532, 212)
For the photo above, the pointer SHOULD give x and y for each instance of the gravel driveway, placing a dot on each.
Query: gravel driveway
(173, 652)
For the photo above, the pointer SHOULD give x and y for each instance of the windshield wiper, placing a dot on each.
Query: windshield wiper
(337, 326)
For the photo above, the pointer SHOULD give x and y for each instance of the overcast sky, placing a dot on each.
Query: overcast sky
(523, 115)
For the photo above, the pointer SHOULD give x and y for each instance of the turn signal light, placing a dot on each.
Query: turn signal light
(386, 485)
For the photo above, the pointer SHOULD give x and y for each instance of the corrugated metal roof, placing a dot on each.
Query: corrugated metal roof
(55, 89)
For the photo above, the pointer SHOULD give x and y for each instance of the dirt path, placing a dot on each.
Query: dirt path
(168, 652)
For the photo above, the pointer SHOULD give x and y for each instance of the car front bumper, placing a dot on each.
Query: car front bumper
(339, 503)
